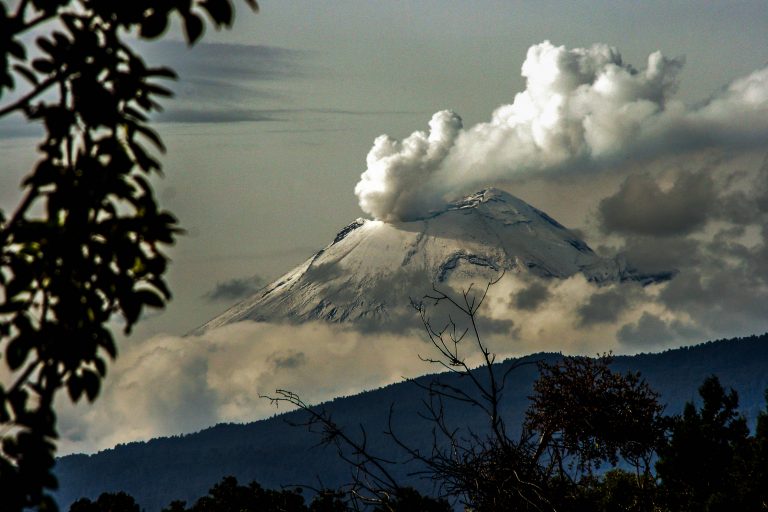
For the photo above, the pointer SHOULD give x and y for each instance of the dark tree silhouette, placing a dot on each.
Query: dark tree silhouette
(107, 502)
(582, 414)
(710, 462)
(229, 496)
(85, 243)
(589, 415)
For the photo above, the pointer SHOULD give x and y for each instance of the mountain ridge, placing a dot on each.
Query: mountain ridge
(275, 454)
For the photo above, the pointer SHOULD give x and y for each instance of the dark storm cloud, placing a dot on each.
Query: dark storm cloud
(651, 254)
(531, 297)
(604, 307)
(641, 207)
(725, 292)
(711, 227)
(649, 331)
(722, 280)
(761, 199)
(234, 289)
(745, 206)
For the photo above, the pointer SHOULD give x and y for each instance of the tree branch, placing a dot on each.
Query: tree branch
(24, 100)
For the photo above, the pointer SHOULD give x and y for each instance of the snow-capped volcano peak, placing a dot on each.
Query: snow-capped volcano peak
(372, 268)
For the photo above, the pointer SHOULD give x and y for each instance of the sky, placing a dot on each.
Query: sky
(275, 121)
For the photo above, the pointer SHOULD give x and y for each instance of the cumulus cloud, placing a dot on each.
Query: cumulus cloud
(710, 226)
(649, 331)
(567, 322)
(582, 108)
(166, 385)
(532, 297)
(605, 306)
(642, 207)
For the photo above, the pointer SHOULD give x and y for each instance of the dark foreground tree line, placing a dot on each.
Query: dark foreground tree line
(593, 439)
(706, 460)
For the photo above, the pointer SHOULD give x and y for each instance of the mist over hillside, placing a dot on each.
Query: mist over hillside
(274, 453)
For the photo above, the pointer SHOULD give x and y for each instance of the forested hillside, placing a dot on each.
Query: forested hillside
(274, 453)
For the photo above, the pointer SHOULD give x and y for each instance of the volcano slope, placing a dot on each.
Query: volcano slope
(372, 270)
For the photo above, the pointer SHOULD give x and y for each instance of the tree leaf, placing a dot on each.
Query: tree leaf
(91, 384)
(193, 28)
(253, 4)
(153, 26)
(150, 298)
(17, 351)
(43, 66)
(26, 73)
(74, 388)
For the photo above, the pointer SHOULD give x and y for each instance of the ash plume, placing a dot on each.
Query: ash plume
(582, 108)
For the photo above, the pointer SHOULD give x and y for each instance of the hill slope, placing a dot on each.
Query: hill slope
(275, 454)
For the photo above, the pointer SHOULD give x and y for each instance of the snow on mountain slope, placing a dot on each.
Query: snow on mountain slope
(372, 268)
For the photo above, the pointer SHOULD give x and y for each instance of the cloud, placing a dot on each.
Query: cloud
(641, 207)
(226, 61)
(605, 306)
(288, 359)
(235, 289)
(720, 252)
(197, 115)
(221, 82)
(582, 108)
(695, 206)
(532, 297)
(649, 331)
(167, 384)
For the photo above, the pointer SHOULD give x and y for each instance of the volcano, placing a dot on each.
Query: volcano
(372, 269)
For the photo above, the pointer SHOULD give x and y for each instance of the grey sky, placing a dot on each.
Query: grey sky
(271, 125)
(312, 84)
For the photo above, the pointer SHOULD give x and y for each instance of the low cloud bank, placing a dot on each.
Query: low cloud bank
(167, 385)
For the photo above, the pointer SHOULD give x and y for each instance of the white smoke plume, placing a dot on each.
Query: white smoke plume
(390, 188)
(582, 108)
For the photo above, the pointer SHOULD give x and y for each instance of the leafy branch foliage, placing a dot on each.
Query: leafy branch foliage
(586, 413)
(85, 243)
